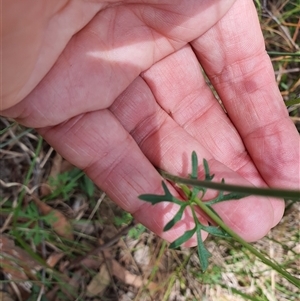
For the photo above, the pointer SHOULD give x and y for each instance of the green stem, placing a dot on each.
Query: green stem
(239, 239)
(174, 276)
(284, 53)
(246, 190)
(292, 102)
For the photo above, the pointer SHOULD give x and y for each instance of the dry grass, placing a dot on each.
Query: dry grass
(77, 231)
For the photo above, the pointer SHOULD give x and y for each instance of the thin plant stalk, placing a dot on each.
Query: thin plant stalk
(248, 246)
(246, 190)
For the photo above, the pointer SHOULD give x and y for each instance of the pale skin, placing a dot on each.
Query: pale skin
(116, 88)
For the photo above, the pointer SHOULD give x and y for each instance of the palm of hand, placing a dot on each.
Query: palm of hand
(127, 92)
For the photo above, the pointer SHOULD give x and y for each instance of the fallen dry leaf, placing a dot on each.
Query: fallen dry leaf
(130, 279)
(56, 162)
(54, 258)
(56, 166)
(60, 224)
(16, 263)
(99, 282)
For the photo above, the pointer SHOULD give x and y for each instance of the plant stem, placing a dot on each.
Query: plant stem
(239, 239)
(284, 53)
(291, 102)
(174, 276)
(246, 190)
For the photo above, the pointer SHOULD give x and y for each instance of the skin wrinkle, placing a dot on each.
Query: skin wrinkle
(252, 174)
(235, 110)
(179, 107)
(112, 182)
(43, 114)
(200, 113)
(239, 161)
(155, 41)
(259, 89)
(197, 117)
(85, 148)
(255, 132)
(235, 70)
(273, 142)
(227, 35)
(153, 127)
(238, 90)
(161, 152)
(173, 40)
(155, 32)
(217, 79)
(108, 169)
(123, 202)
(171, 79)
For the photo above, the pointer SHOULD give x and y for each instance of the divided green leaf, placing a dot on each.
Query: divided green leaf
(192, 199)
(208, 176)
(155, 199)
(203, 253)
(215, 231)
(182, 239)
(176, 218)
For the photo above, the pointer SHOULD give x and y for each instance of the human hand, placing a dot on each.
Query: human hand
(125, 92)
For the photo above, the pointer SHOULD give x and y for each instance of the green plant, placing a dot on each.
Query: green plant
(194, 194)
(125, 219)
(31, 229)
(136, 231)
(64, 184)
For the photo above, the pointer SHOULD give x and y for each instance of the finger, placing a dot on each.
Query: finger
(102, 59)
(180, 89)
(235, 60)
(98, 144)
(169, 146)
